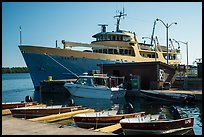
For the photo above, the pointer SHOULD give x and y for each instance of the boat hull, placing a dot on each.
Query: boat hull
(94, 92)
(158, 127)
(172, 97)
(41, 111)
(41, 66)
(11, 105)
(101, 121)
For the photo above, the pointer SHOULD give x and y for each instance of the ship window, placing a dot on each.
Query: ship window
(116, 37)
(100, 38)
(149, 55)
(95, 50)
(113, 37)
(103, 37)
(115, 51)
(122, 38)
(104, 50)
(100, 50)
(119, 37)
(110, 51)
(121, 51)
(126, 51)
(108, 38)
(129, 52)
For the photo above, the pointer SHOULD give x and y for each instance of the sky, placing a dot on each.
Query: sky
(42, 23)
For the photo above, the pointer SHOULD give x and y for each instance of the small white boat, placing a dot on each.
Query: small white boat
(97, 86)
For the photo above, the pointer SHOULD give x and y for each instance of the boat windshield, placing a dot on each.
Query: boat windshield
(85, 81)
(100, 81)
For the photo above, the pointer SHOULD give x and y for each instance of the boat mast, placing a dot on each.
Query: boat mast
(118, 19)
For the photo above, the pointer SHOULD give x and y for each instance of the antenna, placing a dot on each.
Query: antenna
(20, 36)
(121, 14)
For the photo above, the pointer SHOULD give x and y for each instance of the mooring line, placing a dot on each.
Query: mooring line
(62, 65)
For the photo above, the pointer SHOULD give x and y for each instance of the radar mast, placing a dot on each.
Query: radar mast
(121, 14)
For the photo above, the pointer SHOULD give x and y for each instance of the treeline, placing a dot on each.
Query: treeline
(14, 70)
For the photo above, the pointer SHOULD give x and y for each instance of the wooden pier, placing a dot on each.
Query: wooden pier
(47, 125)
(16, 126)
(110, 129)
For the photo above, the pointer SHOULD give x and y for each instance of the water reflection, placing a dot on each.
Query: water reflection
(52, 98)
(98, 104)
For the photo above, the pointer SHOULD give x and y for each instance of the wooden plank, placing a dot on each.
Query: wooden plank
(109, 129)
(6, 112)
(62, 116)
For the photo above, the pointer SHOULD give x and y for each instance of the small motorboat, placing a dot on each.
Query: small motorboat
(173, 97)
(10, 105)
(28, 102)
(156, 124)
(101, 118)
(39, 111)
(97, 86)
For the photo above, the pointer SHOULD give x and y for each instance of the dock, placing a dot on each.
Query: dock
(6, 112)
(16, 126)
(110, 129)
(197, 93)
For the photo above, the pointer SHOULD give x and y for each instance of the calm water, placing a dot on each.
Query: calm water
(16, 86)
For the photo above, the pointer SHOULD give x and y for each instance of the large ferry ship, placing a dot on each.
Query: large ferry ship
(117, 46)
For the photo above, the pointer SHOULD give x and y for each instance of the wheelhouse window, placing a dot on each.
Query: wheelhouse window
(110, 51)
(100, 50)
(121, 51)
(104, 50)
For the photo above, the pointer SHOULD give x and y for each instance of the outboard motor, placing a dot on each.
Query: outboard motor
(174, 112)
(71, 102)
(128, 108)
(28, 99)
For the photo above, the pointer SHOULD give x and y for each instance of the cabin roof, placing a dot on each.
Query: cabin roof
(110, 33)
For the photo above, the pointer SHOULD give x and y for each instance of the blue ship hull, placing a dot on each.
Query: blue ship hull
(41, 66)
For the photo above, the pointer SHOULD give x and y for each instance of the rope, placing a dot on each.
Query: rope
(62, 65)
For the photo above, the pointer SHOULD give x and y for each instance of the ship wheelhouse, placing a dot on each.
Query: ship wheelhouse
(118, 43)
